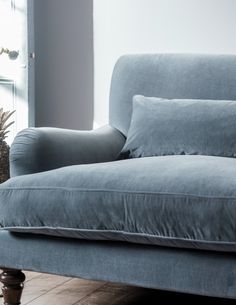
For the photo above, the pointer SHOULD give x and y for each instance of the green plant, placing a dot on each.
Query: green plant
(4, 147)
(4, 117)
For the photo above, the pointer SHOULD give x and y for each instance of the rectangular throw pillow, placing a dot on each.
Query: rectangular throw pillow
(181, 127)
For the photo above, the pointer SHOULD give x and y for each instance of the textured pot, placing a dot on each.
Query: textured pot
(4, 161)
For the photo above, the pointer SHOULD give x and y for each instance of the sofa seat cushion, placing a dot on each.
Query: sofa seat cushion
(180, 201)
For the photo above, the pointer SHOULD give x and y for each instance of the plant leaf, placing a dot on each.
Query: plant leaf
(4, 132)
(7, 116)
(8, 125)
(4, 117)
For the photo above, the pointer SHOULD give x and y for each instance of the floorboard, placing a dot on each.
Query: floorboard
(45, 289)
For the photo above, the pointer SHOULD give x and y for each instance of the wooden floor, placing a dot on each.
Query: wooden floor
(43, 289)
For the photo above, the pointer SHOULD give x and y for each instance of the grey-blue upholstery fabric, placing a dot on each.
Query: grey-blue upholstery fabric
(40, 149)
(181, 127)
(183, 270)
(171, 76)
(179, 201)
(196, 271)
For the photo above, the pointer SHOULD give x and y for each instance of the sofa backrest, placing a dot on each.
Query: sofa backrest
(169, 76)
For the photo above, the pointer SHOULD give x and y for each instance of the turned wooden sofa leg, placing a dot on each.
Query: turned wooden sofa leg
(12, 281)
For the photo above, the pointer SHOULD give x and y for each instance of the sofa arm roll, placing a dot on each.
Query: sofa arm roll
(41, 149)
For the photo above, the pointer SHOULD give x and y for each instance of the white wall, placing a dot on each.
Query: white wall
(152, 26)
(64, 63)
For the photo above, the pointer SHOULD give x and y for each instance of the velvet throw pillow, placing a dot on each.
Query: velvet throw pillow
(181, 127)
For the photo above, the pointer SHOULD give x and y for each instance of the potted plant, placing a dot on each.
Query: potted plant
(4, 147)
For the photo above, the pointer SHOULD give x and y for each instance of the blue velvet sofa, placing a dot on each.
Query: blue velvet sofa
(72, 208)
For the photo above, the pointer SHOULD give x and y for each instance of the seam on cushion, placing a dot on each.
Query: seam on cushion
(121, 232)
(68, 189)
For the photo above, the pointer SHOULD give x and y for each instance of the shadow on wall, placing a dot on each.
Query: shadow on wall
(64, 63)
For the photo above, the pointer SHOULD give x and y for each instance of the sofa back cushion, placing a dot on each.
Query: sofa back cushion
(162, 127)
(171, 76)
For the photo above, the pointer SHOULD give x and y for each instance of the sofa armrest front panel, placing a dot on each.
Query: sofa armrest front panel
(41, 149)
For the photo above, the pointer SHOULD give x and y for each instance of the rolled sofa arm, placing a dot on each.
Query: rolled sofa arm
(40, 149)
